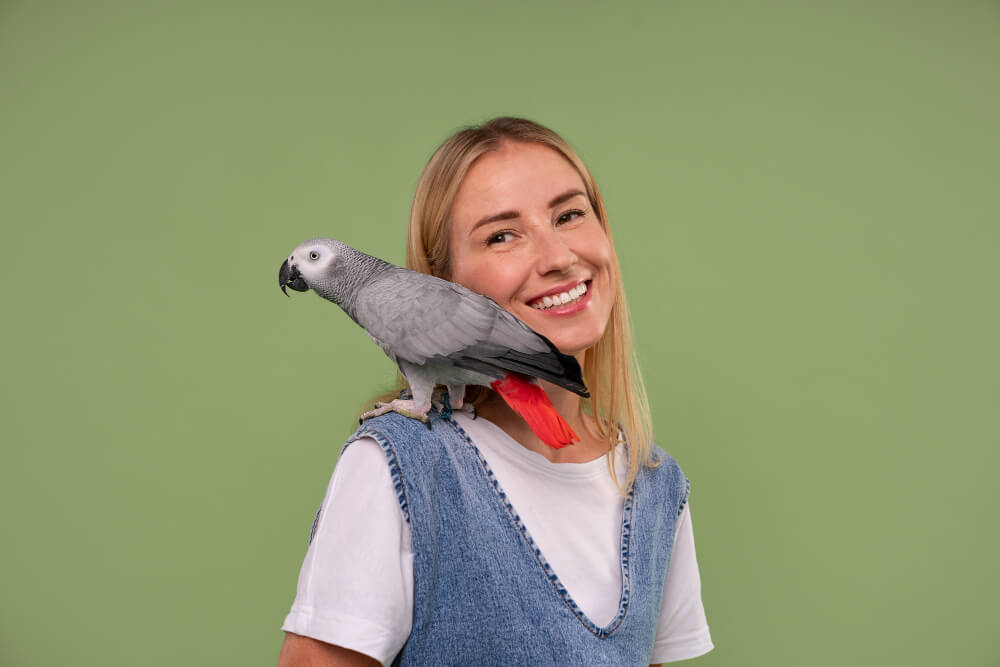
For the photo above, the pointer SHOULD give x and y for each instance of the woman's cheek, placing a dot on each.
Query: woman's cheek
(500, 275)
(496, 283)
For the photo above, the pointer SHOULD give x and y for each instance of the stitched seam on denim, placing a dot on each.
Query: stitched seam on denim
(397, 477)
(687, 492)
(626, 541)
(625, 559)
(600, 633)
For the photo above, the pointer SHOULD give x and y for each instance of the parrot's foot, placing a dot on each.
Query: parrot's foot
(444, 403)
(441, 402)
(405, 407)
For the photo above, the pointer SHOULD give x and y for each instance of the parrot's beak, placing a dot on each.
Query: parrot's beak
(289, 277)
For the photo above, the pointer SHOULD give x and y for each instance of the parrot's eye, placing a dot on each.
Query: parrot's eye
(313, 254)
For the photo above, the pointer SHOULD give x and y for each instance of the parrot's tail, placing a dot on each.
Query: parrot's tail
(529, 400)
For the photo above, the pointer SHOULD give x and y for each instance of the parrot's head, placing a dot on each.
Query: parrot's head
(315, 264)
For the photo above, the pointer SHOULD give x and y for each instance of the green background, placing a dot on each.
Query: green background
(804, 197)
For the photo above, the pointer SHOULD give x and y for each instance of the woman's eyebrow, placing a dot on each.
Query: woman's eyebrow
(569, 194)
(508, 215)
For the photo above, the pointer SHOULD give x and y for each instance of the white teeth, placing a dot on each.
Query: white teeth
(553, 300)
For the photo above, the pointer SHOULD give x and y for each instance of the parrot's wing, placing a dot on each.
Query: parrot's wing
(421, 318)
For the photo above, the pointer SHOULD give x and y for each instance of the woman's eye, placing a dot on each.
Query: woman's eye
(499, 237)
(569, 215)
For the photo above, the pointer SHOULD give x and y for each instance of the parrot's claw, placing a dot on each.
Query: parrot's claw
(407, 408)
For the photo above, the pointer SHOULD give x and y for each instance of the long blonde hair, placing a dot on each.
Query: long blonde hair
(610, 369)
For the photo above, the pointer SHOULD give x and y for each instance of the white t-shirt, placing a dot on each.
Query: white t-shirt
(355, 588)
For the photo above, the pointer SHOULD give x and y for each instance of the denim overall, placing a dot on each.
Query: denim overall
(483, 592)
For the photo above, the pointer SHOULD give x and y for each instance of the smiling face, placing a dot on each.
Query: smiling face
(522, 231)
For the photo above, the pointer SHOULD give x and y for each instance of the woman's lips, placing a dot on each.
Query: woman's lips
(560, 289)
(569, 308)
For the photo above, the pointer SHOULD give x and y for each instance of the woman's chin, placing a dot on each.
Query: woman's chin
(573, 348)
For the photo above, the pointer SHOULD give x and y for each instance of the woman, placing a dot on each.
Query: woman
(474, 542)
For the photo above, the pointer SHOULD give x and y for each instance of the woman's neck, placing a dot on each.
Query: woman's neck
(567, 404)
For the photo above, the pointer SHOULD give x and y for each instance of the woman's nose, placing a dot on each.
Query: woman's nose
(554, 254)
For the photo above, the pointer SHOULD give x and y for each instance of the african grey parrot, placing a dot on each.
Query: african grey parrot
(438, 332)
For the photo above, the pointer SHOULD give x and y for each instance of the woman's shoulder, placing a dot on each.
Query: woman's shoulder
(378, 452)
(663, 458)
(667, 477)
(407, 442)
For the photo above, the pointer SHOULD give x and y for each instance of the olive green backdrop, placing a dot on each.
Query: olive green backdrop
(804, 197)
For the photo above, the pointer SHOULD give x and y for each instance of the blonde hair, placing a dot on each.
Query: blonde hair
(610, 369)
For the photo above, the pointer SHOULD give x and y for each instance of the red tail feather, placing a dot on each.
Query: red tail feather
(529, 400)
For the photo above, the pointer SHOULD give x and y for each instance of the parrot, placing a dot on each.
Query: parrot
(439, 333)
